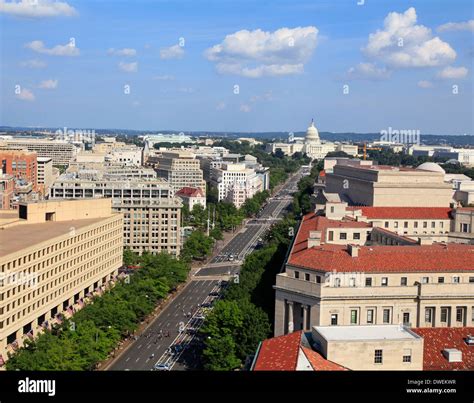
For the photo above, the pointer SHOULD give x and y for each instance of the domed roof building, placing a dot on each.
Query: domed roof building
(312, 134)
(431, 167)
(313, 147)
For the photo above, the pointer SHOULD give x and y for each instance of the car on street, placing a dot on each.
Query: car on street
(214, 294)
(230, 258)
(162, 367)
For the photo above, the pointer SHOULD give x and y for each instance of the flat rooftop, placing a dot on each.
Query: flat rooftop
(361, 333)
(21, 236)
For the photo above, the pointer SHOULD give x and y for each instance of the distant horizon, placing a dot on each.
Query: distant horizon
(171, 131)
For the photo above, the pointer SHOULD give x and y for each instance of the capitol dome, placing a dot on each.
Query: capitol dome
(312, 134)
(432, 167)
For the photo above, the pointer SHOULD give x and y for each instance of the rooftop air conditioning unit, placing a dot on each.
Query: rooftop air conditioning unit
(452, 354)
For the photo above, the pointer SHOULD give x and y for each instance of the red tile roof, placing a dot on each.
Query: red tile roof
(190, 192)
(312, 222)
(383, 259)
(279, 353)
(319, 363)
(413, 213)
(436, 339)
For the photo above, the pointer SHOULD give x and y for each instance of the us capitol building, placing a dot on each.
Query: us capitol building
(311, 145)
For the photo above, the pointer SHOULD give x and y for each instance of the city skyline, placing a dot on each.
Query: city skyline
(207, 67)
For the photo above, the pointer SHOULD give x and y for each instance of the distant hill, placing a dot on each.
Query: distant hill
(429, 139)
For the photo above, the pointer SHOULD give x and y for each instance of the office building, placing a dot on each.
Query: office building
(180, 168)
(20, 164)
(53, 256)
(61, 152)
(151, 211)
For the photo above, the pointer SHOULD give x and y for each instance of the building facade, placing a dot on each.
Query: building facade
(152, 214)
(61, 152)
(53, 256)
(181, 169)
(21, 165)
(340, 272)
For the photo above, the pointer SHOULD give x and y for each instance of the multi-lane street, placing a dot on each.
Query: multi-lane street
(169, 342)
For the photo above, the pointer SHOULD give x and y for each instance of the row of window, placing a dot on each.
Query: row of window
(432, 224)
(406, 357)
(384, 281)
(59, 246)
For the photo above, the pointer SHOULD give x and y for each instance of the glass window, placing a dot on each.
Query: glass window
(459, 314)
(403, 281)
(384, 281)
(378, 357)
(386, 316)
(370, 316)
(428, 315)
(444, 315)
(368, 281)
(354, 317)
(334, 319)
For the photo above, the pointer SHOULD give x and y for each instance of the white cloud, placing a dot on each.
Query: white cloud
(245, 108)
(403, 43)
(452, 73)
(48, 84)
(457, 26)
(128, 67)
(164, 77)
(259, 53)
(221, 106)
(25, 95)
(127, 52)
(58, 50)
(173, 52)
(33, 64)
(367, 71)
(425, 84)
(37, 8)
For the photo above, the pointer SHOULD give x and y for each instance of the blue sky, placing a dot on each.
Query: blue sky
(336, 61)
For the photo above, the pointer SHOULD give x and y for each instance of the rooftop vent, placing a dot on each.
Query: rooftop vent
(353, 250)
(470, 340)
(452, 354)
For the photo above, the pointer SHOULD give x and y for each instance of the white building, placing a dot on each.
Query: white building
(312, 145)
(236, 183)
(130, 156)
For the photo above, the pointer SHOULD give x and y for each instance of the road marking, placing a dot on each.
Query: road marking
(139, 346)
(127, 359)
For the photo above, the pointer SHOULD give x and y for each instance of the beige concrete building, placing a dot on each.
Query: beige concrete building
(53, 256)
(380, 186)
(152, 214)
(372, 348)
(342, 348)
(45, 174)
(181, 169)
(327, 282)
(61, 152)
